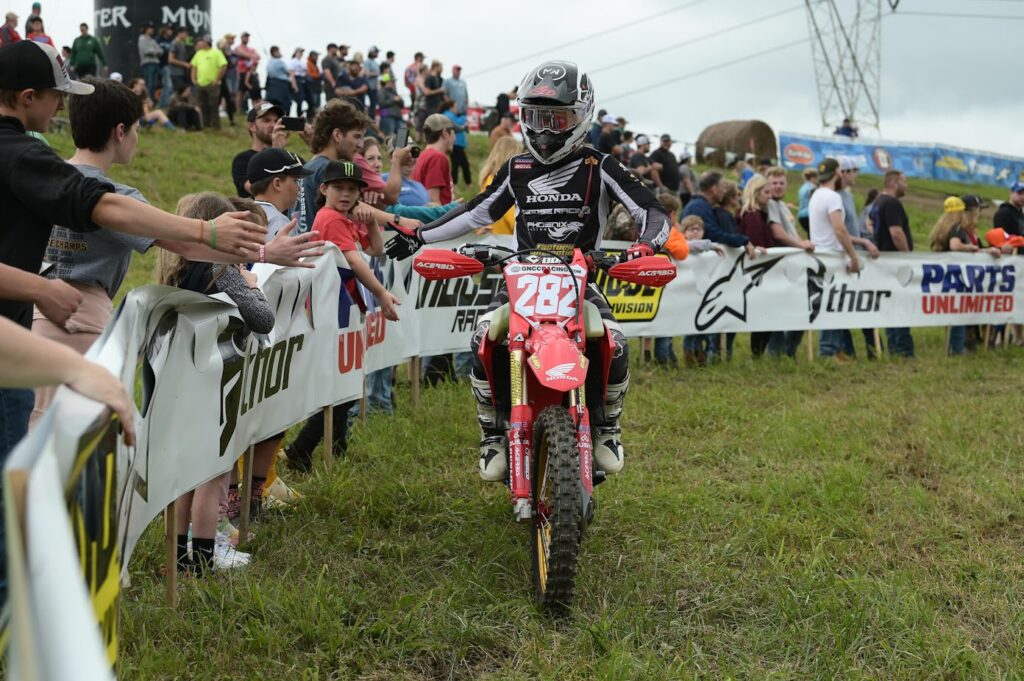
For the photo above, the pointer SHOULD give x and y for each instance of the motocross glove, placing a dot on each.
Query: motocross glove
(639, 250)
(405, 242)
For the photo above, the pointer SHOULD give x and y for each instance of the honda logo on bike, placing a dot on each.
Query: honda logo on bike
(561, 371)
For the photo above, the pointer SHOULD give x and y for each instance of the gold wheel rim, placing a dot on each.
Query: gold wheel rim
(542, 529)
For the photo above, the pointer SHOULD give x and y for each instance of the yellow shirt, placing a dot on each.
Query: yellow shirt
(208, 64)
(507, 223)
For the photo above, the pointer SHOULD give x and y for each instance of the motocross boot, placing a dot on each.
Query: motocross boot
(493, 457)
(608, 453)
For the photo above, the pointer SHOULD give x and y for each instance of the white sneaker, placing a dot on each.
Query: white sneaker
(608, 453)
(226, 556)
(493, 466)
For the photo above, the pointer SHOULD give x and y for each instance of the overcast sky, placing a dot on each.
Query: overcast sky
(944, 79)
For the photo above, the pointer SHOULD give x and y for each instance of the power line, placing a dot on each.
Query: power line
(952, 15)
(709, 69)
(585, 38)
(691, 41)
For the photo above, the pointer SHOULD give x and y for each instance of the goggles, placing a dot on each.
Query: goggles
(548, 118)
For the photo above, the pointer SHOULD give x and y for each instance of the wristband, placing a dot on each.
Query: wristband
(213, 234)
(263, 253)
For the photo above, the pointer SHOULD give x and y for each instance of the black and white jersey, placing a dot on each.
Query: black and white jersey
(558, 207)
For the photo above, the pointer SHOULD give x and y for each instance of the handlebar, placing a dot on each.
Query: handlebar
(496, 255)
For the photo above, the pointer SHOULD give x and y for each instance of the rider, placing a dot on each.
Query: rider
(561, 191)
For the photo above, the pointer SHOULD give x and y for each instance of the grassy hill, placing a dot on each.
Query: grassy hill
(774, 518)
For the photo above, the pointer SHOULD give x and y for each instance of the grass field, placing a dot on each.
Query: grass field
(775, 519)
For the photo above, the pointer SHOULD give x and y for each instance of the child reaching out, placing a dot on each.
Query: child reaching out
(339, 193)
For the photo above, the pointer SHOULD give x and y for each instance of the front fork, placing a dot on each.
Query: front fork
(520, 436)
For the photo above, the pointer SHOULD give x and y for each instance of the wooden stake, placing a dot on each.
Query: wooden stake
(988, 332)
(329, 436)
(171, 551)
(414, 381)
(878, 343)
(246, 483)
(362, 401)
(810, 345)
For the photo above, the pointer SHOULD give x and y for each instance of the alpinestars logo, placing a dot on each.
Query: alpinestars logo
(728, 294)
(550, 183)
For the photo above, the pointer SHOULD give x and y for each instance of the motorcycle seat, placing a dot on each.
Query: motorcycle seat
(592, 322)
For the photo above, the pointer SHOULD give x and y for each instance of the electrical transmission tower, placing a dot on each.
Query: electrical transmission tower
(846, 40)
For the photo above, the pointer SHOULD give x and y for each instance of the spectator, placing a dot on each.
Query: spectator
(455, 90)
(164, 38)
(330, 68)
(211, 551)
(371, 71)
(502, 152)
(459, 159)
(610, 139)
(9, 31)
(849, 170)
(597, 127)
(413, 193)
(85, 51)
(208, 69)
(265, 130)
(297, 69)
(390, 103)
(273, 176)
(847, 129)
(502, 104)
(229, 83)
(710, 193)
(668, 175)
(804, 197)
(679, 249)
(433, 89)
(352, 84)
(892, 233)
(178, 60)
(412, 72)
(649, 171)
(36, 13)
(150, 116)
(314, 85)
(743, 172)
(183, 111)
(247, 60)
(955, 230)
(149, 56)
(1010, 214)
(65, 53)
(432, 168)
(828, 232)
(867, 230)
(38, 33)
(626, 147)
(503, 129)
(697, 348)
(281, 85)
(753, 222)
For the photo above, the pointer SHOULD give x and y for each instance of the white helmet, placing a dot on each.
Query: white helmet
(556, 102)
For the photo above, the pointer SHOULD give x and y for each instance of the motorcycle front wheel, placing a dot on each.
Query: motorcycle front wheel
(556, 509)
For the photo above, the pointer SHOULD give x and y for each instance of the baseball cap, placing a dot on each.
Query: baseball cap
(953, 204)
(438, 122)
(666, 138)
(336, 171)
(846, 163)
(827, 169)
(275, 162)
(971, 201)
(372, 50)
(642, 140)
(30, 65)
(608, 118)
(263, 109)
(1017, 187)
(685, 156)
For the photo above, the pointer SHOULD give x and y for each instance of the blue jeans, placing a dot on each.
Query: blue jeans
(834, 341)
(389, 124)
(901, 343)
(957, 340)
(371, 108)
(664, 353)
(15, 408)
(168, 87)
(151, 76)
(378, 393)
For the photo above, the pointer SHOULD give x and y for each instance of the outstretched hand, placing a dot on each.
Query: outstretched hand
(287, 250)
(404, 244)
(236, 235)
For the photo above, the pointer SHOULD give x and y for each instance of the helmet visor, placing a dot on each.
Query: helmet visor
(550, 119)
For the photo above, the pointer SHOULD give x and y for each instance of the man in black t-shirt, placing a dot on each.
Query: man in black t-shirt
(668, 174)
(265, 130)
(1010, 215)
(892, 233)
(642, 165)
(610, 139)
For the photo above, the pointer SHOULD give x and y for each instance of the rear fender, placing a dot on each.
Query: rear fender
(556, 361)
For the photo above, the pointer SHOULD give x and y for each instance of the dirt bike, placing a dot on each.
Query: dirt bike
(550, 329)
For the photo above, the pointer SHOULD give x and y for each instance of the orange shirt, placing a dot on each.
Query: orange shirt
(676, 245)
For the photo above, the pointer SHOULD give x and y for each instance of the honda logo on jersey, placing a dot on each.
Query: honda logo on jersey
(552, 182)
